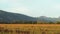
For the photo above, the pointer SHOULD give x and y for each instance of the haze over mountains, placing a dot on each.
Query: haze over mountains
(47, 19)
(8, 17)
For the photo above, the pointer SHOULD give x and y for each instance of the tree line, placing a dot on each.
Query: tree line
(29, 22)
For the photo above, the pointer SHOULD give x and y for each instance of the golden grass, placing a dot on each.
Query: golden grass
(34, 28)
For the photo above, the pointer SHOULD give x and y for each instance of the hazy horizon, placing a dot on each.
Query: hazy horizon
(34, 8)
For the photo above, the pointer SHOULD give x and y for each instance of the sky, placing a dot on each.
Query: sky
(34, 8)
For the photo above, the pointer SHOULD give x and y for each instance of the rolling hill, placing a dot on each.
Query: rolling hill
(9, 17)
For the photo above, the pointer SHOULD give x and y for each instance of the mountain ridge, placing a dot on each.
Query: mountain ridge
(9, 17)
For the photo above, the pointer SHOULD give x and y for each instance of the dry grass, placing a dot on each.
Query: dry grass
(34, 28)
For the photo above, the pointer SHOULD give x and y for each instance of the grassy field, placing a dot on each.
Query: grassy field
(29, 28)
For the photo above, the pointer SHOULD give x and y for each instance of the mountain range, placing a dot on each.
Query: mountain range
(8, 17)
(47, 19)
